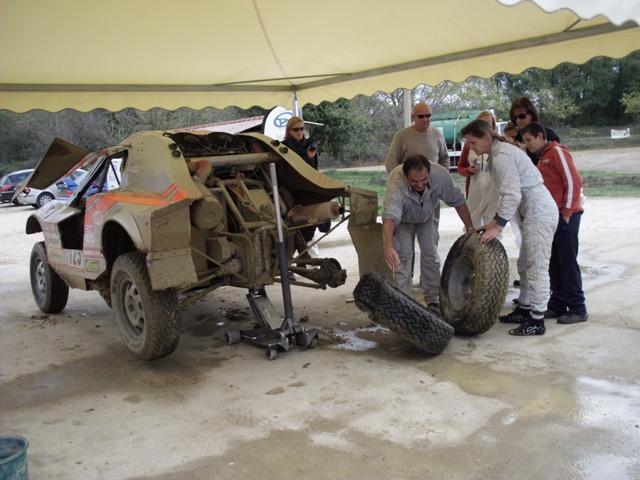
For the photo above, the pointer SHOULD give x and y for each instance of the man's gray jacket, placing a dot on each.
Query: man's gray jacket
(403, 205)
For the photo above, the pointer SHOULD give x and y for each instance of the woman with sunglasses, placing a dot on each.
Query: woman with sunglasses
(308, 151)
(294, 139)
(522, 113)
(522, 192)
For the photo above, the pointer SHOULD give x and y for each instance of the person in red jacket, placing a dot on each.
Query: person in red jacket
(565, 185)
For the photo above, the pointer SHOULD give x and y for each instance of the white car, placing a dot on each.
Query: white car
(60, 190)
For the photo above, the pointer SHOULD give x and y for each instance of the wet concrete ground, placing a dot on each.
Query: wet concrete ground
(364, 404)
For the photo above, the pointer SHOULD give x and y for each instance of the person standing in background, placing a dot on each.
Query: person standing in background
(522, 113)
(482, 195)
(307, 150)
(418, 139)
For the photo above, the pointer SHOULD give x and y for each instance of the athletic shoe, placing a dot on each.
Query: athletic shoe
(527, 329)
(516, 283)
(519, 315)
(570, 318)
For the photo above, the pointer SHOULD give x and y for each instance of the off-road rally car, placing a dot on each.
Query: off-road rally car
(149, 238)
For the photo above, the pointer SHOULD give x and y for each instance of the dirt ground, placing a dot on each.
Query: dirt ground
(364, 404)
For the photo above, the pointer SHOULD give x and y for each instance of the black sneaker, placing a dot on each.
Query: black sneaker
(570, 318)
(549, 313)
(519, 315)
(527, 328)
(516, 283)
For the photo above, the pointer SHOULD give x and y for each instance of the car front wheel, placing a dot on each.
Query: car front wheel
(49, 291)
(44, 198)
(148, 319)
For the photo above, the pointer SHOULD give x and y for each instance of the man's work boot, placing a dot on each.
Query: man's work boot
(434, 307)
(549, 313)
(570, 318)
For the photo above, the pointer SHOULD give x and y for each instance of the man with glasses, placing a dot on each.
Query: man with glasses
(418, 139)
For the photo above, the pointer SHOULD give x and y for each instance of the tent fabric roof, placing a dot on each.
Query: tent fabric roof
(87, 54)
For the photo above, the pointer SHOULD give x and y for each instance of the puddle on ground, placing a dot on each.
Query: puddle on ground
(361, 339)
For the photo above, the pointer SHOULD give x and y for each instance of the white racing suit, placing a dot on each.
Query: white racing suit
(413, 217)
(522, 192)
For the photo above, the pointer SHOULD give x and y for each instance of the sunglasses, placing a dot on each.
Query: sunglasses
(297, 129)
(521, 116)
(424, 115)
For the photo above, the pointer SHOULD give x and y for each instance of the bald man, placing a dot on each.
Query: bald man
(418, 139)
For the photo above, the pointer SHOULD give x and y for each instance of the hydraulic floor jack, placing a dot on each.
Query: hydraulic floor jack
(274, 333)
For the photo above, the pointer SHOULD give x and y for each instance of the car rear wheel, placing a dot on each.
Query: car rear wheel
(44, 198)
(49, 291)
(148, 319)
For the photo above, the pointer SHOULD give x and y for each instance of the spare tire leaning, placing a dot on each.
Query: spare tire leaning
(473, 285)
(392, 308)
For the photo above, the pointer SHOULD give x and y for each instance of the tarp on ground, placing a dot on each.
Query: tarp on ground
(86, 54)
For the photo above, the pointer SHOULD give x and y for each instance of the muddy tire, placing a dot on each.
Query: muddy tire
(49, 290)
(148, 319)
(473, 285)
(394, 309)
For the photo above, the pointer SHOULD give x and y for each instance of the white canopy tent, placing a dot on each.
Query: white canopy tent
(86, 54)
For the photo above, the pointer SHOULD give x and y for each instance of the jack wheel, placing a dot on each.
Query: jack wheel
(306, 340)
(272, 354)
(232, 337)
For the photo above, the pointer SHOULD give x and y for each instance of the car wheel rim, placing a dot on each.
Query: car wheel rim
(44, 200)
(41, 279)
(133, 309)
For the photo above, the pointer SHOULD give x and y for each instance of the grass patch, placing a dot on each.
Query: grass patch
(610, 184)
(595, 183)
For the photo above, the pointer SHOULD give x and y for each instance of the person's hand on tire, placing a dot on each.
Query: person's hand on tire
(491, 231)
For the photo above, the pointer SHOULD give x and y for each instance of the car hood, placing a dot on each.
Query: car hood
(60, 158)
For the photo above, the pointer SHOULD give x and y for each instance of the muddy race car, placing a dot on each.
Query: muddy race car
(149, 238)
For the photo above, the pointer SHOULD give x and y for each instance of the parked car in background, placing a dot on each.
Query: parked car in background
(9, 182)
(60, 190)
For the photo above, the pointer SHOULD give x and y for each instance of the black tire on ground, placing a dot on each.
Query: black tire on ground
(473, 285)
(43, 199)
(148, 320)
(49, 290)
(392, 308)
